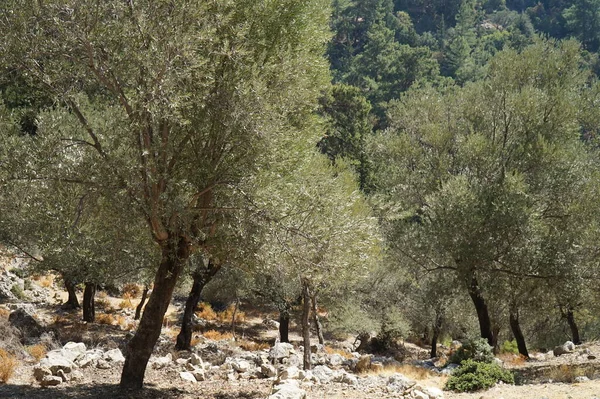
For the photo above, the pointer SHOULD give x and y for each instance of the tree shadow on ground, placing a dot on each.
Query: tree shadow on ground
(91, 391)
(111, 391)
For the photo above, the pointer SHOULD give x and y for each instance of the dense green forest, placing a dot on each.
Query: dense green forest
(423, 169)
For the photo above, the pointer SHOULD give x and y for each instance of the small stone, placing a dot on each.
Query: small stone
(199, 375)
(114, 355)
(103, 364)
(416, 394)
(51, 381)
(290, 373)
(241, 366)
(182, 361)
(76, 375)
(434, 393)
(196, 360)
(268, 370)
(187, 376)
(62, 375)
(581, 378)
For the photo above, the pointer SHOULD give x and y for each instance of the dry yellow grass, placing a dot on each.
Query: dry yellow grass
(4, 313)
(217, 336)
(102, 303)
(131, 290)
(512, 359)
(344, 353)
(567, 373)
(8, 364)
(195, 341)
(37, 351)
(105, 319)
(126, 304)
(252, 346)
(206, 312)
(46, 281)
(227, 315)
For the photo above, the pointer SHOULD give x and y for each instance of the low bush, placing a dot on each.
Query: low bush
(474, 349)
(509, 347)
(206, 312)
(474, 376)
(18, 291)
(8, 364)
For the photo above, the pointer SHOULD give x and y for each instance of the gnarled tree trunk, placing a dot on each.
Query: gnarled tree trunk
(570, 316)
(316, 320)
(174, 256)
(89, 308)
(202, 275)
(437, 329)
(306, 324)
(284, 326)
(72, 301)
(140, 306)
(516, 330)
(483, 315)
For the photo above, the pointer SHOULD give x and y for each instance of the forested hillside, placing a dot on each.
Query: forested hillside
(418, 169)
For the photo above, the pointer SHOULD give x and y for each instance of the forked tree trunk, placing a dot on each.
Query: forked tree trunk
(89, 307)
(483, 315)
(437, 329)
(140, 306)
(202, 275)
(139, 348)
(316, 320)
(570, 316)
(284, 326)
(306, 324)
(72, 301)
(516, 330)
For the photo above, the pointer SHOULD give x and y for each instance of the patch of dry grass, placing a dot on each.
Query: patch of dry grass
(131, 290)
(105, 318)
(126, 304)
(37, 351)
(4, 313)
(410, 371)
(512, 359)
(252, 346)
(8, 364)
(567, 373)
(206, 312)
(227, 315)
(45, 281)
(343, 353)
(217, 336)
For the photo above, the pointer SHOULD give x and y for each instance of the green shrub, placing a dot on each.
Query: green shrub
(474, 376)
(27, 284)
(17, 271)
(474, 349)
(18, 291)
(510, 347)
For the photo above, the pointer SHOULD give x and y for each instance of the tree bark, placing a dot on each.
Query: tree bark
(89, 307)
(140, 306)
(306, 324)
(284, 325)
(516, 330)
(72, 301)
(202, 275)
(235, 310)
(139, 348)
(483, 315)
(570, 316)
(316, 320)
(437, 329)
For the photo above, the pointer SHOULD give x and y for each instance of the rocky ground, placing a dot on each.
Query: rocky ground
(85, 360)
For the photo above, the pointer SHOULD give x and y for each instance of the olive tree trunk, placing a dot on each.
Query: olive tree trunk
(483, 315)
(306, 324)
(437, 329)
(139, 348)
(570, 316)
(140, 306)
(318, 326)
(515, 327)
(89, 305)
(284, 326)
(201, 276)
(72, 301)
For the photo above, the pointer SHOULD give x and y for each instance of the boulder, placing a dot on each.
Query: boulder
(114, 356)
(89, 358)
(290, 373)
(187, 376)
(417, 394)
(335, 360)
(62, 375)
(103, 364)
(241, 366)
(400, 383)
(323, 374)
(55, 361)
(162, 362)
(24, 321)
(349, 379)
(76, 347)
(268, 370)
(288, 390)
(281, 350)
(449, 369)
(434, 393)
(196, 360)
